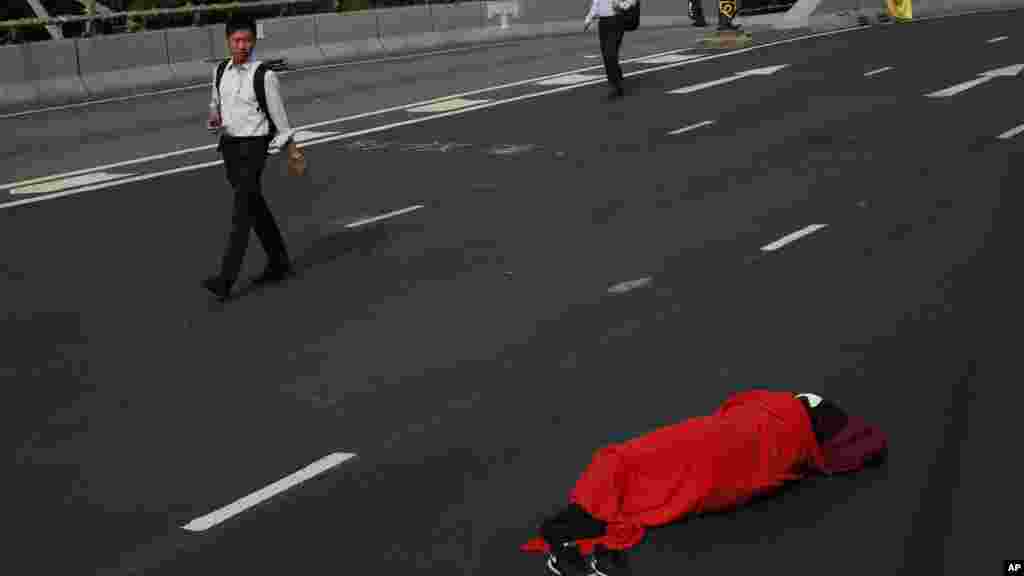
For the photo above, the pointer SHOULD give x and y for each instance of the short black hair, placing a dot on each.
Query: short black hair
(239, 22)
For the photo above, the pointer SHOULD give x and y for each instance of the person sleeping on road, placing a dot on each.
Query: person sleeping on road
(753, 444)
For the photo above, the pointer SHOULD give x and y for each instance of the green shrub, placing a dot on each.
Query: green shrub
(351, 5)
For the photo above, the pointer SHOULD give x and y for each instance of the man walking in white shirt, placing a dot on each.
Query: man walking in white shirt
(610, 29)
(247, 129)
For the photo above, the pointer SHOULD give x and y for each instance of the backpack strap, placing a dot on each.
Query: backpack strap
(220, 74)
(259, 85)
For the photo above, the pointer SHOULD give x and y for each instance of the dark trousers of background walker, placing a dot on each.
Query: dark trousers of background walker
(244, 159)
(610, 29)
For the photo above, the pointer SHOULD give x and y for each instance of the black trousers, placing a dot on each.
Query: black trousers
(697, 10)
(244, 160)
(610, 29)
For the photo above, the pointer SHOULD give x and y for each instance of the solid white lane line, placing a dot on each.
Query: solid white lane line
(668, 58)
(64, 184)
(691, 127)
(878, 71)
(447, 105)
(304, 135)
(433, 117)
(1011, 132)
(997, 39)
(392, 214)
(242, 504)
(568, 79)
(792, 237)
(10, 185)
(103, 185)
(339, 120)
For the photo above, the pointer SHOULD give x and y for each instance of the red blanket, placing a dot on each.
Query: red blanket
(754, 442)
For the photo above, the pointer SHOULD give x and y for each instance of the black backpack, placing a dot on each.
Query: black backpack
(259, 87)
(631, 17)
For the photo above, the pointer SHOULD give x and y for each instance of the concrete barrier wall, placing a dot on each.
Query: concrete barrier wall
(17, 88)
(294, 39)
(464, 24)
(407, 28)
(348, 36)
(189, 51)
(448, 17)
(53, 67)
(112, 65)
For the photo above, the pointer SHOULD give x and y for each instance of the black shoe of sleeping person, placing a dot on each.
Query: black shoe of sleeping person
(566, 560)
(607, 562)
(218, 287)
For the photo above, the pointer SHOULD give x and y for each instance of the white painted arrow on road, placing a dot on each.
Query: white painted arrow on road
(755, 72)
(984, 77)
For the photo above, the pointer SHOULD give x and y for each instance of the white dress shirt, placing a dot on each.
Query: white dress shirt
(239, 111)
(606, 8)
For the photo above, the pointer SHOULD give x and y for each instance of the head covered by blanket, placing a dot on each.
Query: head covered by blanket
(847, 442)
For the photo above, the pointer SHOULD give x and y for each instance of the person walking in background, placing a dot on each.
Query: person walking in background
(697, 13)
(247, 111)
(610, 29)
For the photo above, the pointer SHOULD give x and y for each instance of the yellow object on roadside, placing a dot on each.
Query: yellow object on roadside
(900, 9)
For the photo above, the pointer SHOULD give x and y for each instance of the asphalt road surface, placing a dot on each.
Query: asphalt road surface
(465, 344)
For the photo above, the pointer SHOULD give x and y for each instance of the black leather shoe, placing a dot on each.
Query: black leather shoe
(218, 287)
(566, 560)
(607, 562)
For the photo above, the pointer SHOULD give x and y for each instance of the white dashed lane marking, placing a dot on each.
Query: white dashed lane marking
(692, 127)
(1011, 132)
(792, 237)
(878, 71)
(623, 287)
(242, 504)
(392, 214)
